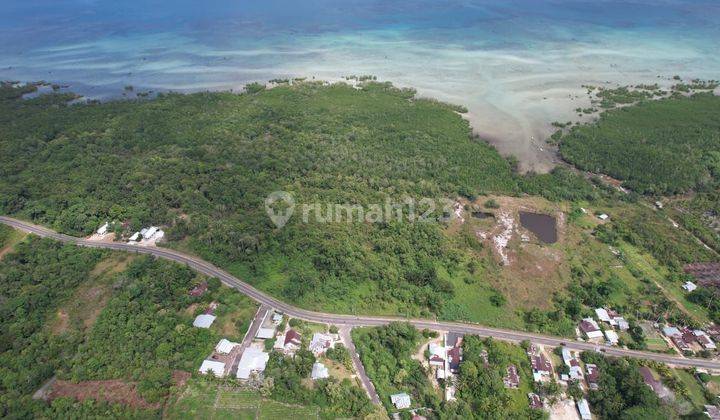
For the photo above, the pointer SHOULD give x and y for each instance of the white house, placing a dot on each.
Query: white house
(265, 333)
(149, 232)
(252, 360)
(225, 346)
(103, 229)
(400, 401)
(584, 409)
(135, 237)
(204, 321)
(612, 337)
(622, 324)
(572, 363)
(603, 316)
(603, 216)
(319, 371)
(217, 368)
(689, 286)
(320, 343)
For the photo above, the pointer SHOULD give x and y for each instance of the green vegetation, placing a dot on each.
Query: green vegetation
(144, 331)
(665, 146)
(5, 235)
(203, 164)
(284, 376)
(206, 399)
(481, 392)
(622, 394)
(33, 279)
(134, 324)
(385, 352)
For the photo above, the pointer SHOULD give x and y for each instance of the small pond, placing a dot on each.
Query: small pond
(482, 215)
(542, 225)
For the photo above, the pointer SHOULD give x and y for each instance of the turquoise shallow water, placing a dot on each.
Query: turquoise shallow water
(517, 65)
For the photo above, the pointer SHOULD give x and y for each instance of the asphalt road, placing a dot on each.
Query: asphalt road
(351, 320)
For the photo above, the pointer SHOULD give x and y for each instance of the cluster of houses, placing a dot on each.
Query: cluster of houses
(542, 371)
(230, 359)
(590, 330)
(148, 235)
(445, 359)
(687, 340)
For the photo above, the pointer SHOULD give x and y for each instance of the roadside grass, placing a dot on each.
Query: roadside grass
(651, 269)
(209, 400)
(9, 237)
(695, 394)
(234, 314)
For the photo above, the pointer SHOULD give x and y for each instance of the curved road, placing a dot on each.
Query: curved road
(350, 320)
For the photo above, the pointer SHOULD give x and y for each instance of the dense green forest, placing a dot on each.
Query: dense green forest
(32, 280)
(204, 164)
(664, 146)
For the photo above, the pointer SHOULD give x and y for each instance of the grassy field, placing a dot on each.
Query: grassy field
(209, 400)
(695, 394)
(8, 238)
(651, 269)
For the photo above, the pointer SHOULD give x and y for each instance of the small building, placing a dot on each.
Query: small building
(103, 229)
(319, 371)
(572, 363)
(204, 321)
(252, 361)
(277, 318)
(437, 355)
(704, 340)
(225, 346)
(535, 401)
(199, 289)
(511, 379)
(622, 324)
(604, 316)
(592, 376)
(671, 332)
(603, 216)
(584, 409)
(590, 328)
(612, 337)
(135, 237)
(217, 368)
(400, 401)
(292, 341)
(541, 366)
(689, 286)
(320, 343)
(454, 357)
(712, 412)
(680, 343)
(265, 333)
(149, 232)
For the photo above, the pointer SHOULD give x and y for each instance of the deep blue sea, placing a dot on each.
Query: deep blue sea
(517, 65)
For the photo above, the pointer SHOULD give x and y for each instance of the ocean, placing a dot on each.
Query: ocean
(517, 65)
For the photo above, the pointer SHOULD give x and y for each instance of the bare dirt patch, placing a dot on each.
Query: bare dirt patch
(114, 391)
(530, 271)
